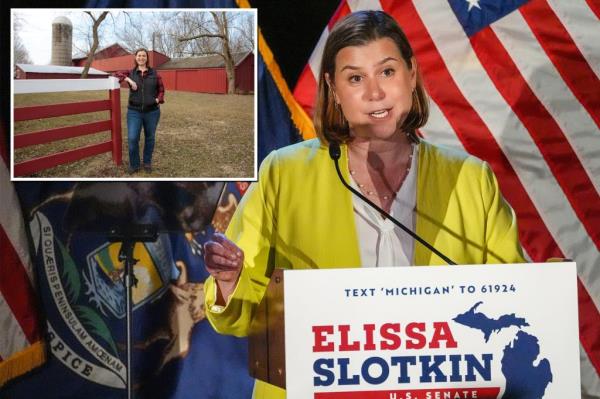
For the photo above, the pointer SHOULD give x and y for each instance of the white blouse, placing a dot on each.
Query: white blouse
(381, 243)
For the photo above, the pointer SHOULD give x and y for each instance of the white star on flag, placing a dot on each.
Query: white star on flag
(473, 3)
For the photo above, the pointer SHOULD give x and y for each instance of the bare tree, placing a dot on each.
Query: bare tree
(162, 31)
(223, 29)
(133, 32)
(166, 29)
(203, 41)
(83, 37)
(21, 55)
(244, 39)
(95, 42)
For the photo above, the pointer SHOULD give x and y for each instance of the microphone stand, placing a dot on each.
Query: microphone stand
(334, 153)
(128, 213)
(128, 237)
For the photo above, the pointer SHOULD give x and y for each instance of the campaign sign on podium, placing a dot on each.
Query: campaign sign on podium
(457, 332)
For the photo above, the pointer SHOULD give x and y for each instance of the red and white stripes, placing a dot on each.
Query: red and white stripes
(523, 94)
(20, 347)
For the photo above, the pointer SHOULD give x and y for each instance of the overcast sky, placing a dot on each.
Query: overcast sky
(36, 29)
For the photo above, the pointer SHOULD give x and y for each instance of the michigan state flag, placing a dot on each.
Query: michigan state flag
(175, 351)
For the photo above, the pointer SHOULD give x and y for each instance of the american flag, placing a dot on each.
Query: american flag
(21, 347)
(516, 83)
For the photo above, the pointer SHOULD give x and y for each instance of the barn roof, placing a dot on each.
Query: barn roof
(81, 55)
(57, 69)
(204, 61)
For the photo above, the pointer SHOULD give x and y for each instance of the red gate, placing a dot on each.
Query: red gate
(112, 104)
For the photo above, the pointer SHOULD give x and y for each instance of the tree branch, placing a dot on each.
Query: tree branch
(95, 43)
(185, 39)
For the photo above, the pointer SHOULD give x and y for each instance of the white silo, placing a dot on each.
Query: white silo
(62, 41)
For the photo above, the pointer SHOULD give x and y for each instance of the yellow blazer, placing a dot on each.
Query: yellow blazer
(298, 215)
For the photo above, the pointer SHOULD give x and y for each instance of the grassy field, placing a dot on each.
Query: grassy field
(199, 136)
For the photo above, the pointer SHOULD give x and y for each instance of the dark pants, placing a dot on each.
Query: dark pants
(135, 121)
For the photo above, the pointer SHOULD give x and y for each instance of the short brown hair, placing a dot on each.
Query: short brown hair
(359, 29)
(135, 65)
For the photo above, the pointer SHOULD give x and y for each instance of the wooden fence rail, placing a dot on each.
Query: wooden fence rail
(112, 104)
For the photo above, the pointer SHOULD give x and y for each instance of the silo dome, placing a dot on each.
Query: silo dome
(62, 41)
(62, 20)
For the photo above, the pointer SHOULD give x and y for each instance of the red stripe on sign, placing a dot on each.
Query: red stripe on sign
(16, 288)
(454, 393)
(472, 131)
(305, 92)
(564, 54)
(589, 325)
(544, 131)
(594, 6)
(342, 10)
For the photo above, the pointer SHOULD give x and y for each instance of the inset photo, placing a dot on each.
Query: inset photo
(158, 94)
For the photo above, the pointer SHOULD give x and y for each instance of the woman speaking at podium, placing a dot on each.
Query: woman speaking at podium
(299, 214)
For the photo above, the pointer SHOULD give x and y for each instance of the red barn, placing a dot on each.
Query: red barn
(206, 74)
(26, 71)
(244, 74)
(115, 58)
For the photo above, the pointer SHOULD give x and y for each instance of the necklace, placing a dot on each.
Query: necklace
(371, 192)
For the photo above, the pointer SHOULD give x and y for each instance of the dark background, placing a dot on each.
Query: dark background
(292, 29)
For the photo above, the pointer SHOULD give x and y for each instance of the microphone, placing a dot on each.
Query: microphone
(335, 153)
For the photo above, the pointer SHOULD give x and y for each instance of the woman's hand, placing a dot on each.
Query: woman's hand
(132, 84)
(223, 260)
(156, 99)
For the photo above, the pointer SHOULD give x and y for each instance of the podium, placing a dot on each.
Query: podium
(266, 340)
(419, 332)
